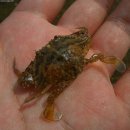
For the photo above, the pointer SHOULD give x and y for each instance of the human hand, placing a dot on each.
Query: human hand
(91, 102)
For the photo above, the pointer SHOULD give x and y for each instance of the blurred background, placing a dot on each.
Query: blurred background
(7, 7)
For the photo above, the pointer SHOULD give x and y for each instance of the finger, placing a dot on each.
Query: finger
(46, 8)
(90, 93)
(87, 13)
(122, 89)
(26, 27)
(113, 36)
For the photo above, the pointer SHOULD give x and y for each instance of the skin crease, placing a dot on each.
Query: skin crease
(91, 102)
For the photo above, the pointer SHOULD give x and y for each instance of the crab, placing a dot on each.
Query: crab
(57, 65)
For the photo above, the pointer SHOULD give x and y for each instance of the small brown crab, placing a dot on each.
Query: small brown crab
(58, 64)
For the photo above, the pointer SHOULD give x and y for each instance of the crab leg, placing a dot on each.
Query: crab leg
(49, 112)
(120, 66)
(16, 71)
(37, 95)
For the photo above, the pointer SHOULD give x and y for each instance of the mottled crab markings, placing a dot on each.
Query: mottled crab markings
(57, 65)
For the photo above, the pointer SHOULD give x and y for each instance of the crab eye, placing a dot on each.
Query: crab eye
(82, 33)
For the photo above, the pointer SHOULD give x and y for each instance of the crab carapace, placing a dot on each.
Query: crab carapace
(57, 65)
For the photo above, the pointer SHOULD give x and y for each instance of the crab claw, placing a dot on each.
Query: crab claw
(51, 114)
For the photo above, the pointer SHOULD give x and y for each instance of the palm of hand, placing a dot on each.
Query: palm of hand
(89, 103)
